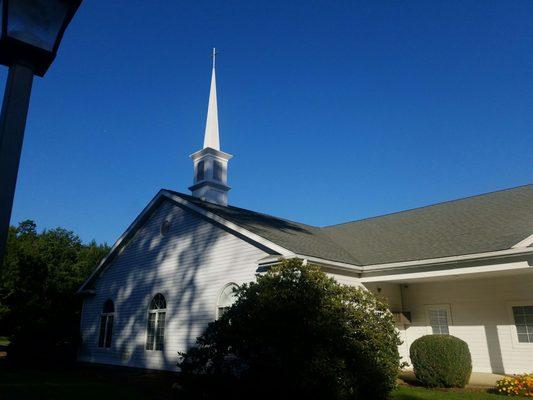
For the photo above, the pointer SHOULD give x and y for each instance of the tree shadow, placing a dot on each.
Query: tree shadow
(187, 265)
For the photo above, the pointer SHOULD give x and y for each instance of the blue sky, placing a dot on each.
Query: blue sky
(334, 111)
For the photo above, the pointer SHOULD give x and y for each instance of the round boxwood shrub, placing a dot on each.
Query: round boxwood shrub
(295, 333)
(441, 361)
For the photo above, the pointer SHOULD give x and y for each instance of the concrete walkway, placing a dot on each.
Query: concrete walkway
(477, 379)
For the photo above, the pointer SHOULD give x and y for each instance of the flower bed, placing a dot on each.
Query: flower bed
(517, 385)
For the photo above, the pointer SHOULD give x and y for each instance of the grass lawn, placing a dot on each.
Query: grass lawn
(82, 384)
(417, 393)
(107, 384)
(42, 386)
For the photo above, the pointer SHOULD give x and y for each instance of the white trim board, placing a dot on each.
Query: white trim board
(448, 272)
(383, 269)
(144, 215)
(524, 243)
(446, 260)
(230, 225)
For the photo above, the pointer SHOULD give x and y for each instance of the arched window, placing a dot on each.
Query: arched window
(155, 336)
(106, 324)
(226, 299)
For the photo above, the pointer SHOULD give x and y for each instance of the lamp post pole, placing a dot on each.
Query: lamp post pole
(12, 123)
(30, 33)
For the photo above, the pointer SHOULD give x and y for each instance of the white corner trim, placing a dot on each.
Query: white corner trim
(230, 225)
(524, 243)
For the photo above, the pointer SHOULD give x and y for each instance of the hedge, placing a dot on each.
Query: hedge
(441, 361)
(295, 333)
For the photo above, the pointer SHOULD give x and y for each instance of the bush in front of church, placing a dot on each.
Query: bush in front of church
(295, 333)
(441, 361)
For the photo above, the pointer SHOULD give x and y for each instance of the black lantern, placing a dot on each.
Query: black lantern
(32, 30)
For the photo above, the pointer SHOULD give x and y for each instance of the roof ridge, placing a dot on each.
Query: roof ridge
(244, 209)
(428, 206)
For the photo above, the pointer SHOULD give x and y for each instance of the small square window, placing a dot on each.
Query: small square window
(523, 319)
(439, 320)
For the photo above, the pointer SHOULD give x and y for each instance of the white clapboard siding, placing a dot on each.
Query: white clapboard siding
(189, 265)
(480, 315)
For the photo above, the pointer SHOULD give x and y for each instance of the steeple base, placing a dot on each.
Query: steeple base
(211, 175)
(211, 193)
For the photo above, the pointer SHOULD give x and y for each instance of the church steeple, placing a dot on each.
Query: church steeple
(210, 163)
(211, 138)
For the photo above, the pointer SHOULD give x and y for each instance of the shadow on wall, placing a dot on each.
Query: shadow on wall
(483, 322)
(495, 350)
(480, 306)
(490, 335)
(484, 340)
(152, 263)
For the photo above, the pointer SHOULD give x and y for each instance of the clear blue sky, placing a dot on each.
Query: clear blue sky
(334, 110)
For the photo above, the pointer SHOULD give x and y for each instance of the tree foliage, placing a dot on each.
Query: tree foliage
(296, 333)
(39, 311)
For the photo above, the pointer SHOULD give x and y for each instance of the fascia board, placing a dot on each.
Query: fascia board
(524, 243)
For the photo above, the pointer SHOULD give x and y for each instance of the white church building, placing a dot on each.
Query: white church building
(462, 267)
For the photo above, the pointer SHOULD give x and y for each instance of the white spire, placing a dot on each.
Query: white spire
(211, 138)
(211, 164)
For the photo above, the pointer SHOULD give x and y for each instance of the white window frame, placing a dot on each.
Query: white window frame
(514, 333)
(157, 313)
(106, 315)
(217, 307)
(448, 309)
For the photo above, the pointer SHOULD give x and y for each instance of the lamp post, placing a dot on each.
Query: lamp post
(31, 31)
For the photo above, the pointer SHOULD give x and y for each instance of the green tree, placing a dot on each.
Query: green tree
(296, 333)
(39, 311)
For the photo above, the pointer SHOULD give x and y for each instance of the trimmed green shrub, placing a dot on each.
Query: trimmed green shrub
(295, 334)
(441, 361)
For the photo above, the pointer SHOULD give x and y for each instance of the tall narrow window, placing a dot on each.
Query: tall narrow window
(200, 171)
(226, 299)
(523, 319)
(439, 319)
(217, 171)
(155, 335)
(106, 324)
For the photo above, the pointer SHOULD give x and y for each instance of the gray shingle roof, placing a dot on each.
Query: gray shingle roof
(299, 238)
(488, 222)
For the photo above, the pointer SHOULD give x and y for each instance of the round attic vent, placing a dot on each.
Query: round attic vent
(165, 227)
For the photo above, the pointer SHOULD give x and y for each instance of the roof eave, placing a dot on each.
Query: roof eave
(448, 260)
